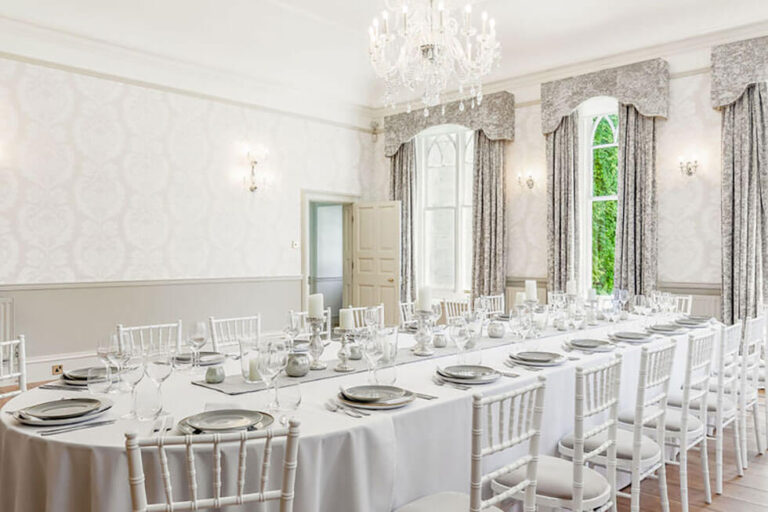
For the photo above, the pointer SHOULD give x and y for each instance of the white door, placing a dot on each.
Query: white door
(376, 256)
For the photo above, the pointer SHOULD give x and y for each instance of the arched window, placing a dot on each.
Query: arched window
(599, 164)
(443, 222)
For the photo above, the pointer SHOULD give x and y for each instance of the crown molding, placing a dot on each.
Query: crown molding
(20, 40)
(691, 44)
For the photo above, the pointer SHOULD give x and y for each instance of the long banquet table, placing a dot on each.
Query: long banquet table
(376, 463)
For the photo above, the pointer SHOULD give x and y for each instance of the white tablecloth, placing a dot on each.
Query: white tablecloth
(345, 464)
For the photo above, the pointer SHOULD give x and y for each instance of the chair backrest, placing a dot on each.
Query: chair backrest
(407, 310)
(683, 303)
(216, 442)
(652, 391)
(13, 366)
(455, 308)
(305, 327)
(358, 312)
(597, 392)
(511, 418)
(698, 367)
(148, 337)
(225, 332)
(495, 304)
(728, 361)
(751, 348)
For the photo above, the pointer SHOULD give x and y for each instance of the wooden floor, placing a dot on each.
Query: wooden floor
(748, 493)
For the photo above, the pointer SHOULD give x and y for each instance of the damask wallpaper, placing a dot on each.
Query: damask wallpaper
(102, 180)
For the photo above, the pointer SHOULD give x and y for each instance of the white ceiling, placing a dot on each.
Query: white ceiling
(320, 46)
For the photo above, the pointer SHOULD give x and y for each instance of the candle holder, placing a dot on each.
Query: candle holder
(344, 352)
(316, 346)
(423, 334)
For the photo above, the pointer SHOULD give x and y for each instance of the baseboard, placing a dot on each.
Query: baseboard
(39, 367)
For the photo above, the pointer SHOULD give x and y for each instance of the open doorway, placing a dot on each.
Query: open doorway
(328, 253)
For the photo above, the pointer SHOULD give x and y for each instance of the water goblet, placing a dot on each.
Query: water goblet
(459, 332)
(290, 399)
(271, 360)
(196, 339)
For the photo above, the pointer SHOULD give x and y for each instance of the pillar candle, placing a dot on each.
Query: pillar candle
(316, 306)
(253, 369)
(519, 298)
(346, 319)
(424, 300)
(530, 290)
(570, 287)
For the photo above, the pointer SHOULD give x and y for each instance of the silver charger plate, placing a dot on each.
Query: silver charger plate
(691, 324)
(22, 418)
(525, 362)
(373, 393)
(185, 428)
(64, 408)
(206, 358)
(535, 356)
(592, 344)
(381, 406)
(631, 337)
(82, 373)
(466, 371)
(485, 379)
(225, 420)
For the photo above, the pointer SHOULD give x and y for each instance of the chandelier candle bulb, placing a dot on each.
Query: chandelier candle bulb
(315, 309)
(346, 319)
(467, 15)
(385, 17)
(405, 19)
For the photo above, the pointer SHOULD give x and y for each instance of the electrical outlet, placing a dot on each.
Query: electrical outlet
(57, 369)
(294, 244)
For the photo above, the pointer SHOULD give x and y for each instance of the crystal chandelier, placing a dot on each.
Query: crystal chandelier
(418, 44)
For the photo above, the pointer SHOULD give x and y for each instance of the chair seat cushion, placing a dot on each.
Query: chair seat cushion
(676, 400)
(442, 502)
(624, 440)
(673, 421)
(554, 478)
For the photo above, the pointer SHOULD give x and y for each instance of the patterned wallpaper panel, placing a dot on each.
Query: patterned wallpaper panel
(102, 181)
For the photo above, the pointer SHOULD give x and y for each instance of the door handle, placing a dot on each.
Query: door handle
(391, 280)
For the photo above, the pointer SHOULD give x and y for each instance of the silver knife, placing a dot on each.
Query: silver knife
(72, 428)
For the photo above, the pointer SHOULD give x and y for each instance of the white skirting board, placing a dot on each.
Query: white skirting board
(39, 368)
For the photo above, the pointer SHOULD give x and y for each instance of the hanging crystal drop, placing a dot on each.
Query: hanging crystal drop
(442, 110)
(461, 106)
(408, 108)
(479, 98)
(426, 112)
(473, 103)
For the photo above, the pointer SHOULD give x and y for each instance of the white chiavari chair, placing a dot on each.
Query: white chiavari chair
(214, 443)
(13, 366)
(684, 429)
(507, 420)
(683, 304)
(571, 484)
(407, 312)
(749, 369)
(358, 313)
(721, 409)
(306, 328)
(455, 308)
(495, 304)
(151, 336)
(225, 332)
(647, 457)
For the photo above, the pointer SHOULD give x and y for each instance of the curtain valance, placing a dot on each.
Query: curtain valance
(736, 66)
(495, 116)
(645, 85)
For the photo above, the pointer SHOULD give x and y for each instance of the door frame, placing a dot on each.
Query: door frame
(310, 196)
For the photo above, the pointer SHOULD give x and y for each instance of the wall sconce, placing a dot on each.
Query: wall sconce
(255, 156)
(688, 167)
(528, 181)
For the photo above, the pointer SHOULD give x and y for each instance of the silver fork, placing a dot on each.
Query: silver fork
(335, 408)
(345, 406)
(440, 382)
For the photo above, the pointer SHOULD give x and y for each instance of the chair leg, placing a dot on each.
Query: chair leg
(737, 445)
(684, 479)
(758, 437)
(744, 453)
(719, 460)
(635, 493)
(705, 470)
(663, 486)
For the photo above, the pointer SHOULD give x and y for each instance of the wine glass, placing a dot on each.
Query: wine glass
(460, 334)
(196, 339)
(290, 399)
(371, 317)
(158, 368)
(386, 372)
(132, 373)
(107, 345)
(271, 360)
(293, 328)
(120, 349)
(373, 351)
(623, 298)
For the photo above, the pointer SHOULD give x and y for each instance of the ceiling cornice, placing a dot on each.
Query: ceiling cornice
(690, 44)
(71, 52)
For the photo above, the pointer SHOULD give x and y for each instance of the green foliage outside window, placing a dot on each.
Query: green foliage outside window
(605, 161)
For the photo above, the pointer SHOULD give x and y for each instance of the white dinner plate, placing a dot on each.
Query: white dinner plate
(64, 408)
(373, 406)
(373, 393)
(467, 371)
(217, 421)
(37, 422)
(591, 345)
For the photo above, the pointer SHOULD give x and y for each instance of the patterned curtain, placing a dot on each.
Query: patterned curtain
(402, 187)
(744, 196)
(488, 207)
(635, 262)
(562, 202)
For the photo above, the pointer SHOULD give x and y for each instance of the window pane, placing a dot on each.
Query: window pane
(605, 171)
(466, 247)
(468, 169)
(603, 245)
(603, 132)
(441, 186)
(442, 151)
(439, 233)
